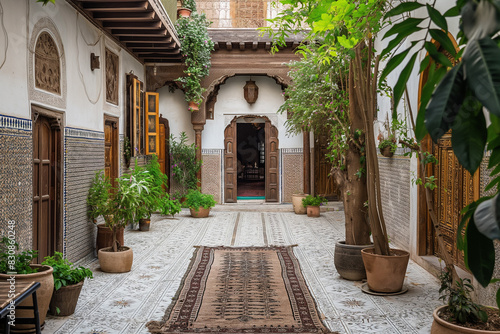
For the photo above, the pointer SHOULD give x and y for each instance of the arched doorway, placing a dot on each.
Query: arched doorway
(251, 159)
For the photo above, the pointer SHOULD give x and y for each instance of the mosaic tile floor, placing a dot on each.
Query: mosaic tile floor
(124, 303)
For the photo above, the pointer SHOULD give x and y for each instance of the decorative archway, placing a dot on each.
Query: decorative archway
(271, 145)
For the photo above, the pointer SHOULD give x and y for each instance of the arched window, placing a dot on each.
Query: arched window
(47, 64)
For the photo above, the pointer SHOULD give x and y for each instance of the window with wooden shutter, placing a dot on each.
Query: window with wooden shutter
(152, 123)
(136, 116)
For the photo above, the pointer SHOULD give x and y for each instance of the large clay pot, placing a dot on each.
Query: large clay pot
(144, 224)
(201, 213)
(43, 294)
(440, 326)
(298, 208)
(349, 262)
(183, 12)
(116, 262)
(105, 237)
(65, 299)
(313, 211)
(385, 274)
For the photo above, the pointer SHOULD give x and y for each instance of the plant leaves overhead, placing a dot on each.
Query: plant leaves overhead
(481, 259)
(403, 8)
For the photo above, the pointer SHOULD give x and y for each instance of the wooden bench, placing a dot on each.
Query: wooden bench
(22, 291)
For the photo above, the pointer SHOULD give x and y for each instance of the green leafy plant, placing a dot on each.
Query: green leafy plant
(127, 153)
(196, 200)
(170, 207)
(11, 260)
(311, 200)
(64, 272)
(183, 163)
(150, 199)
(189, 4)
(196, 47)
(459, 303)
(98, 196)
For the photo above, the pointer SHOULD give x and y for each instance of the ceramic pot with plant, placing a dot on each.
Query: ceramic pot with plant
(99, 202)
(27, 273)
(68, 283)
(199, 204)
(187, 7)
(312, 204)
(387, 146)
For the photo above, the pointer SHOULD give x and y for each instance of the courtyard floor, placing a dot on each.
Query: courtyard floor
(124, 303)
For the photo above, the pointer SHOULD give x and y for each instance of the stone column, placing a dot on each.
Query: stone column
(198, 128)
(307, 161)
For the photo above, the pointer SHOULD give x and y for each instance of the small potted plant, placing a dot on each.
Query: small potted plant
(187, 6)
(199, 204)
(99, 201)
(68, 283)
(12, 260)
(312, 204)
(387, 146)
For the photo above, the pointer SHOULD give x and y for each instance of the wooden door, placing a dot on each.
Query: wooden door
(111, 148)
(323, 182)
(272, 163)
(46, 200)
(456, 188)
(230, 164)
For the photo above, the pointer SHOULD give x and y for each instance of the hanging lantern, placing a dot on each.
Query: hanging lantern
(251, 91)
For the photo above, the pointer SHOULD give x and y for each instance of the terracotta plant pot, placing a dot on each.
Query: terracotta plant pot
(183, 12)
(144, 224)
(201, 213)
(43, 294)
(116, 262)
(349, 262)
(298, 208)
(65, 299)
(386, 152)
(312, 211)
(385, 274)
(440, 326)
(193, 106)
(105, 237)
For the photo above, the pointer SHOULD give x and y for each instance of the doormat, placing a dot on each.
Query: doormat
(242, 290)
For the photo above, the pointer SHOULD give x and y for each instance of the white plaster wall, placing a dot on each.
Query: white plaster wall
(231, 103)
(85, 96)
(384, 107)
(175, 109)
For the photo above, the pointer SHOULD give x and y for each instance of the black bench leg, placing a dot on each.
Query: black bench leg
(36, 315)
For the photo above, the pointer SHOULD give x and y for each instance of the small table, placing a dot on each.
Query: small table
(22, 291)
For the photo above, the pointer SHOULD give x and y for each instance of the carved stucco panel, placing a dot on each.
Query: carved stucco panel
(112, 74)
(43, 89)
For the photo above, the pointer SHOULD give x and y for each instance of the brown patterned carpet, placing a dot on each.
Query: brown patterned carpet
(242, 290)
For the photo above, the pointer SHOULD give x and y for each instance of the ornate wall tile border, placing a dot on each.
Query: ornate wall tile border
(54, 100)
(16, 123)
(206, 151)
(84, 134)
(292, 150)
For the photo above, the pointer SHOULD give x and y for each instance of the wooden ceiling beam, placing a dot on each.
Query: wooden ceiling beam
(146, 40)
(140, 33)
(157, 51)
(132, 16)
(150, 46)
(132, 25)
(105, 6)
(159, 56)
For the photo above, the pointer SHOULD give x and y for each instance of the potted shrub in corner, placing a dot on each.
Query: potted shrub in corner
(27, 273)
(312, 204)
(199, 204)
(68, 283)
(196, 48)
(99, 199)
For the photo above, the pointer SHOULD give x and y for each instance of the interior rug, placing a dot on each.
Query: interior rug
(242, 290)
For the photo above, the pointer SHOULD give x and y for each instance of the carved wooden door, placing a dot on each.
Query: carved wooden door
(230, 164)
(45, 197)
(272, 163)
(323, 183)
(111, 149)
(456, 188)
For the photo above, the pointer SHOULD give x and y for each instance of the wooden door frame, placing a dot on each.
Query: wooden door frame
(57, 121)
(233, 124)
(114, 142)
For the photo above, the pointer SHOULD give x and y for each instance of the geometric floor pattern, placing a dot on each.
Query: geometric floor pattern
(124, 303)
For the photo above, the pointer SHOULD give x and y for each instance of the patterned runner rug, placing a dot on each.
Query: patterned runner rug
(242, 290)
